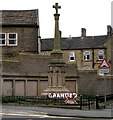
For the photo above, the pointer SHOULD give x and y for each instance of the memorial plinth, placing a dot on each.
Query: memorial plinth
(57, 69)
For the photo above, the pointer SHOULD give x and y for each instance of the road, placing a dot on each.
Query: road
(49, 118)
(34, 113)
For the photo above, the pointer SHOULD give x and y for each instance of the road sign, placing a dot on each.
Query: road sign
(102, 71)
(104, 64)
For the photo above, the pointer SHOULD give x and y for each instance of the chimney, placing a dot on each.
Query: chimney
(109, 30)
(39, 44)
(70, 37)
(83, 32)
(60, 33)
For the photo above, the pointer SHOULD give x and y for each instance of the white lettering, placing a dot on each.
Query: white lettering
(49, 95)
(74, 95)
(62, 95)
(58, 95)
(71, 95)
(54, 95)
(67, 95)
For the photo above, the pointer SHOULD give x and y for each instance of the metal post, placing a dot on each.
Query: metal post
(80, 102)
(105, 89)
(97, 106)
(89, 107)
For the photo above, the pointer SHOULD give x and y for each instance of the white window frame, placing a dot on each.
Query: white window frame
(100, 52)
(85, 55)
(3, 39)
(72, 55)
(8, 39)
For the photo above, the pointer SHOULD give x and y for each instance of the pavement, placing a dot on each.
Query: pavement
(107, 113)
(102, 113)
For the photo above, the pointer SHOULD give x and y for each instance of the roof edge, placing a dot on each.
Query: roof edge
(19, 10)
(19, 25)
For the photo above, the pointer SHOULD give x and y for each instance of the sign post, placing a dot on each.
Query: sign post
(105, 89)
(104, 69)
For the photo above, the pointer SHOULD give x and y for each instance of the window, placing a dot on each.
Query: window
(100, 55)
(71, 56)
(2, 39)
(86, 56)
(12, 39)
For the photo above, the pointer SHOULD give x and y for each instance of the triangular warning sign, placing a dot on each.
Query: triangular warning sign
(104, 64)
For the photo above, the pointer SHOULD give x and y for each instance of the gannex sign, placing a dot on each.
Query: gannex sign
(62, 95)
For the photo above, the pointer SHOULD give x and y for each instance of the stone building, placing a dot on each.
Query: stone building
(25, 57)
(86, 52)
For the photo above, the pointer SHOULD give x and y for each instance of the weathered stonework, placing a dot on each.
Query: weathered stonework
(56, 76)
(26, 73)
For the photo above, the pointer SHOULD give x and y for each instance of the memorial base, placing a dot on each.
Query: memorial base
(61, 89)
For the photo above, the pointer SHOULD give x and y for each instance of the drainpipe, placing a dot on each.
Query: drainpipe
(93, 59)
(105, 54)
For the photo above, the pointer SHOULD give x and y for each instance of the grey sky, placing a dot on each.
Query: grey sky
(94, 15)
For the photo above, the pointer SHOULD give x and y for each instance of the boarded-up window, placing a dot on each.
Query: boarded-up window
(32, 88)
(19, 88)
(7, 88)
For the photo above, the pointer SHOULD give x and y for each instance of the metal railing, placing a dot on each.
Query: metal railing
(82, 102)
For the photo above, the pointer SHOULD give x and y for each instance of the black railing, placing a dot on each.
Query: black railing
(101, 100)
(87, 102)
(97, 102)
(82, 102)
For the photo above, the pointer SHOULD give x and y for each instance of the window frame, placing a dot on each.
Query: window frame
(72, 56)
(3, 39)
(102, 53)
(85, 57)
(15, 39)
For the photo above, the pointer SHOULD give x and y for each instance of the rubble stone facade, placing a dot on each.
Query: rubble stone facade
(25, 67)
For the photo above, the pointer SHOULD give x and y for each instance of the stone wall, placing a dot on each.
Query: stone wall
(26, 40)
(91, 83)
(29, 85)
(23, 85)
(26, 64)
(27, 75)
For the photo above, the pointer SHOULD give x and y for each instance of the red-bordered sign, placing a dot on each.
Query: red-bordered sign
(104, 64)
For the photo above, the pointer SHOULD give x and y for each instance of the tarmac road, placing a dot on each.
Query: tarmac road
(51, 118)
(38, 118)
(40, 113)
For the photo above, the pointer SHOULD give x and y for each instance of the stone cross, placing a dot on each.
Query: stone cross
(56, 7)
